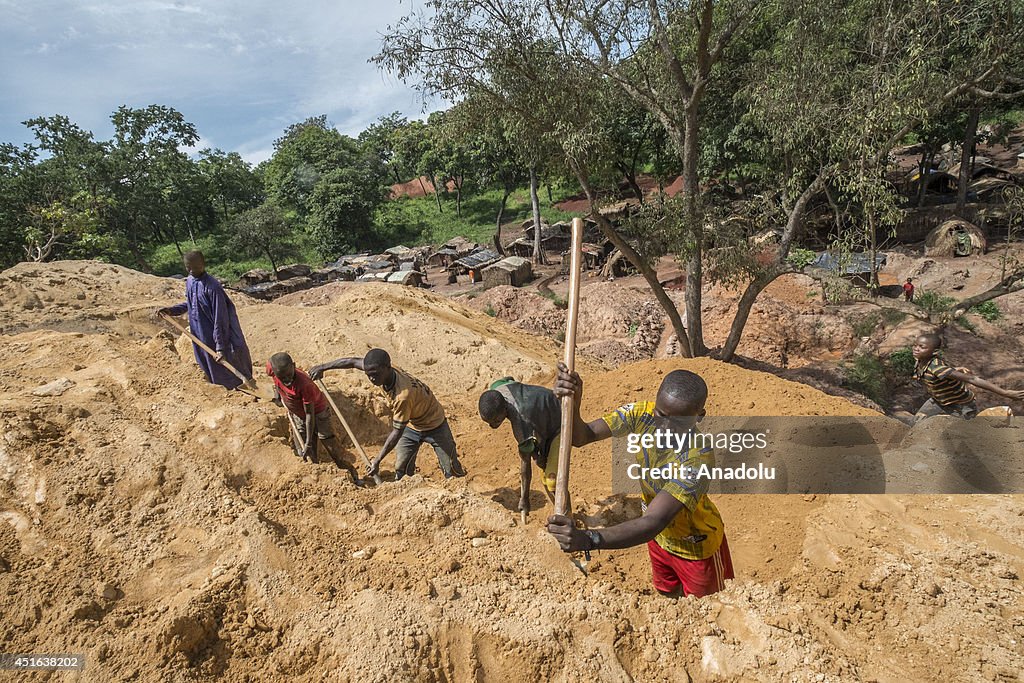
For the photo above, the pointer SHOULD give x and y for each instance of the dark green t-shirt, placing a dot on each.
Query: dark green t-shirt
(535, 415)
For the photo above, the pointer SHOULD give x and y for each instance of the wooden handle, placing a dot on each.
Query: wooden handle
(295, 433)
(565, 442)
(348, 430)
(204, 347)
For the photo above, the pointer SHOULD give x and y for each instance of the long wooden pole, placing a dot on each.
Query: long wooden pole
(296, 437)
(348, 430)
(246, 381)
(565, 443)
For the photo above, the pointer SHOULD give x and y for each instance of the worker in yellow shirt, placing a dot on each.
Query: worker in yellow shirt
(416, 415)
(682, 528)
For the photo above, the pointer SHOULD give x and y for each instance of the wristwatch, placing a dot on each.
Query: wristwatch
(595, 539)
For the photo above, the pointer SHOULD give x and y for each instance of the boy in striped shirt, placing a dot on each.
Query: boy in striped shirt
(946, 385)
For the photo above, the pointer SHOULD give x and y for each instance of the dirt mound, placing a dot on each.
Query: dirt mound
(526, 309)
(162, 527)
(616, 324)
(85, 296)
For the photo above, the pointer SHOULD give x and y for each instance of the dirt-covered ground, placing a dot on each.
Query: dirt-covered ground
(162, 526)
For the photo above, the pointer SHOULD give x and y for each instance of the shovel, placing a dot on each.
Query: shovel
(248, 384)
(348, 430)
(565, 440)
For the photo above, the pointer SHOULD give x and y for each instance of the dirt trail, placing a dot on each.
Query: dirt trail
(162, 526)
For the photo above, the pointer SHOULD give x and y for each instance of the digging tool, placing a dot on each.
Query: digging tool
(565, 441)
(248, 383)
(524, 494)
(348, 430)
(300, 446)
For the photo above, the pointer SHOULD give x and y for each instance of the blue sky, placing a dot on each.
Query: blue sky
(240, 70)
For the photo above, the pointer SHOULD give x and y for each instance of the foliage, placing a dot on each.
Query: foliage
(966, 324)
(558, 301)
(934, 302)
(263, 231)
(988, 310)
(891, 316)
(866, 375)
(413, 221)
(902, 363)
(490, 311)
(801, 258)
(865, 325)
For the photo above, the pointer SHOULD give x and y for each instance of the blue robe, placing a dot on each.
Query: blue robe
(213, 320)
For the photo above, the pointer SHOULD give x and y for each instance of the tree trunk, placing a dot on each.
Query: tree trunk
(641, 265)
(629, 174)
(695, 264)
(538, 253)
(923, 171)
(551, 200)
(970, 133)
(1014, 282)
(780, 267)
(873, 235)
(458, 198)
(501, 216)
(423, 187)
(437, 192)
(273, 264)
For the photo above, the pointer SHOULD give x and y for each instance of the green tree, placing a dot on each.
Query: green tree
(233, 185)
(343, 205)
(332, 183)
(380, 140)
(263, 231)
(157, 190)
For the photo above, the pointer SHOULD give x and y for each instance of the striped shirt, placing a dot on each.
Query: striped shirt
(696, 532)
(945, 390)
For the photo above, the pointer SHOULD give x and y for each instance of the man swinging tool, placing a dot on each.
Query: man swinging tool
(307, 410)
(416, 415)
(214, 323)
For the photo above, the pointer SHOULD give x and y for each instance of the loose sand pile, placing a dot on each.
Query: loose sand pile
(162, 527)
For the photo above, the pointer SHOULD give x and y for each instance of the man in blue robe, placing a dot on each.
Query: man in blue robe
(213, 320)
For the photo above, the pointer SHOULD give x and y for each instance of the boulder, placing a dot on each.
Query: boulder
(293, 270)
(255, 277)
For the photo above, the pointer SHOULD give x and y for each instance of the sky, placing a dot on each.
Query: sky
(240, 70)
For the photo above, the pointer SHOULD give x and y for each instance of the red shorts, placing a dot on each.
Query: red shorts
(671, 573)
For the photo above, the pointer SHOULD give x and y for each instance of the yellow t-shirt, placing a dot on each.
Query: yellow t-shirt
(697, 531)
(413, 403)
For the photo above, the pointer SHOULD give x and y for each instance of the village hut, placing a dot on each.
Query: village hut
(513, 270)
(955, 237)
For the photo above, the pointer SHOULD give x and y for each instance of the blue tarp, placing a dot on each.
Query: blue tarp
(849, 264)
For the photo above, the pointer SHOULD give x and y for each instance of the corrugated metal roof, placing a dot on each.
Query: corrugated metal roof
(482, 257)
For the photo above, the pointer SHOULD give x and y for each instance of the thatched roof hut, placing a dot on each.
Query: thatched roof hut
(955, 237)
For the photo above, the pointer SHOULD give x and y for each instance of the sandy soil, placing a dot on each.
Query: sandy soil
(162, 526)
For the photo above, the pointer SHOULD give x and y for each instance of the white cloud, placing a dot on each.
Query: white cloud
(240, 70)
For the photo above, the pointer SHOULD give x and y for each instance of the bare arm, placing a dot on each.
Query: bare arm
(317, 371)
(659, 515)
(389, 445)
(570, 384)
(986, 385)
